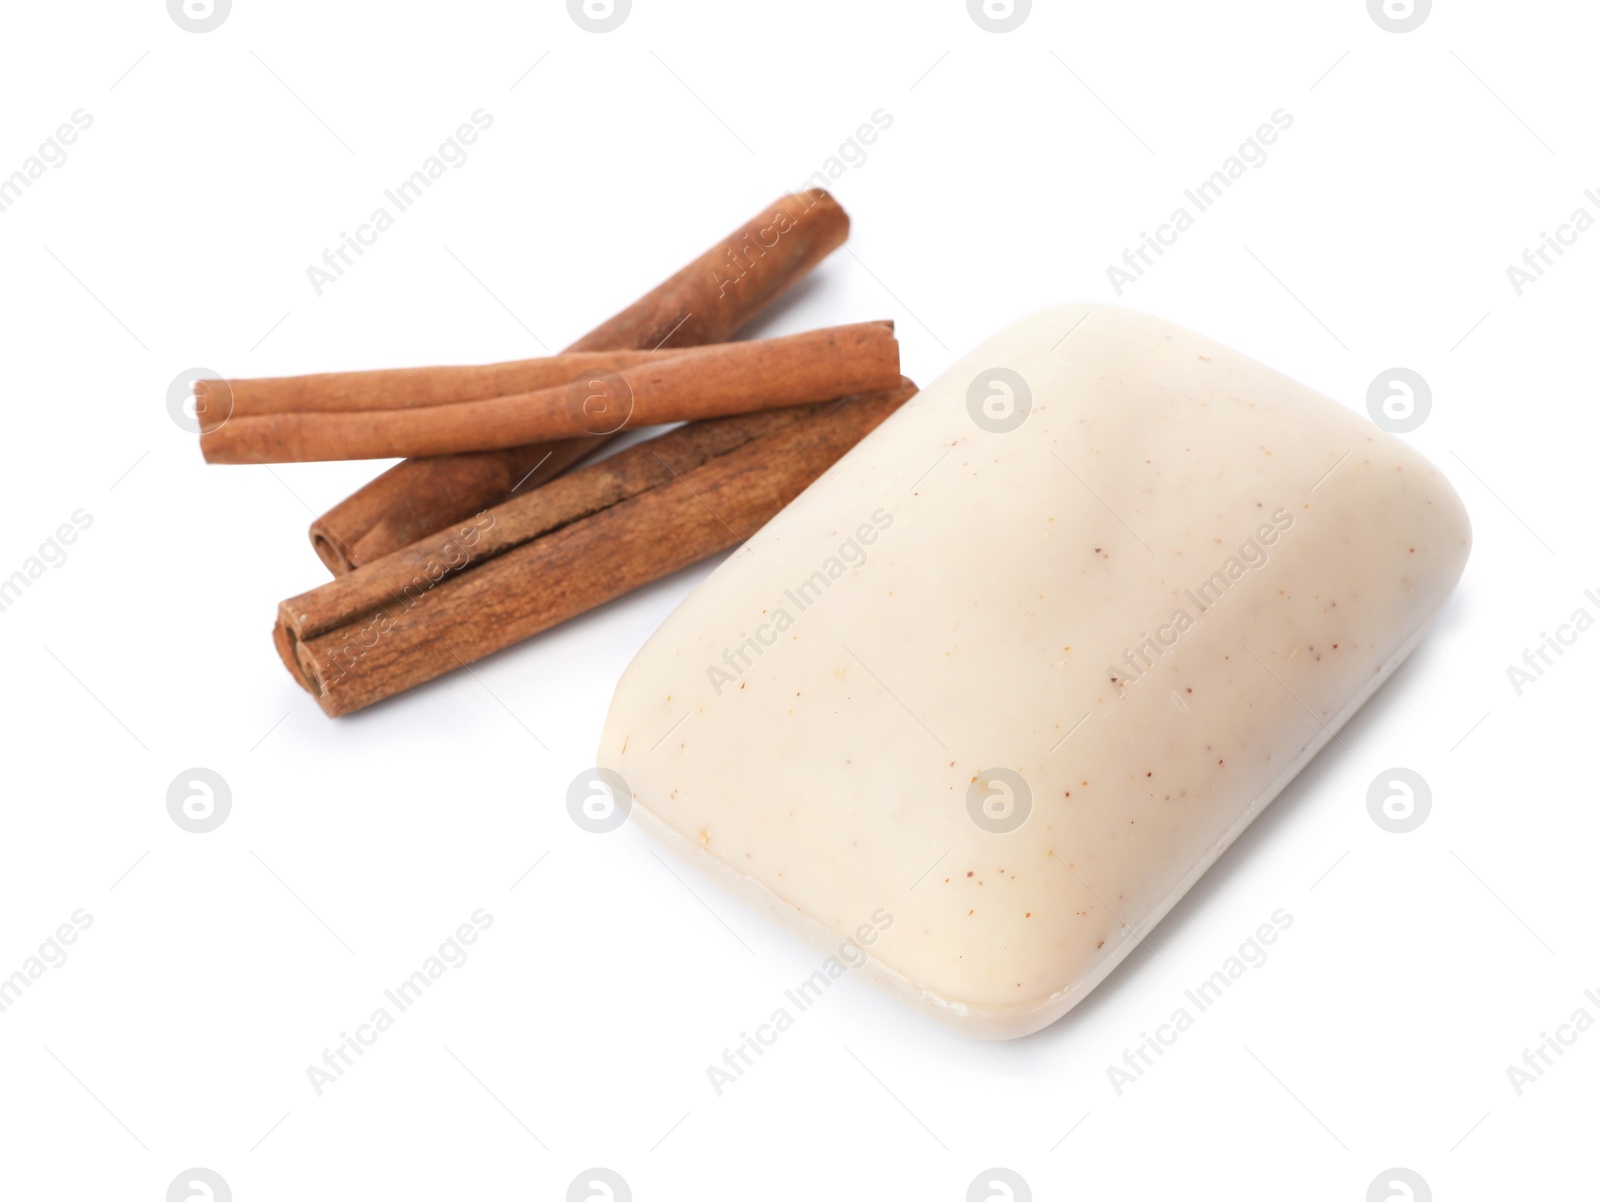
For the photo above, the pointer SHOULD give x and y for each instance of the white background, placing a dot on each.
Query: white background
(1017, 168)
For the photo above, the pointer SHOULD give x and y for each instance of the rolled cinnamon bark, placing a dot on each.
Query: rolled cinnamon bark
(405, 503)
(568, 547)
(219, 401)
(691, 385)
(707, 301)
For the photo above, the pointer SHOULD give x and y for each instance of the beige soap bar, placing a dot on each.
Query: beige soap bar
(1006, 680)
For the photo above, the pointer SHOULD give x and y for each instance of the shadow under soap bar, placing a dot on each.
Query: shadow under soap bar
(1009, 677)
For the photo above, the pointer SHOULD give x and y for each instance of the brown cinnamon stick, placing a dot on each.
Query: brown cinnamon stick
(404, 575)
(404, 504)
(219, 401)
(707, 301)
(691, 385)
(572, 545)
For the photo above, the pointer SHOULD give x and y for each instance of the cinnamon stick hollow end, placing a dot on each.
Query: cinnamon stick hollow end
(213, 403)
(287, 646)
(403, 505)
(330, 547)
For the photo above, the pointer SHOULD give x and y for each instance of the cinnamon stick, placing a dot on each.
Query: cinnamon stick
(572, 545)
(691, 385)
(707, 301)
(219, 401)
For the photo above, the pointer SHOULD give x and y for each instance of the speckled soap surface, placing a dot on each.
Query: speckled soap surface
(1022, 664)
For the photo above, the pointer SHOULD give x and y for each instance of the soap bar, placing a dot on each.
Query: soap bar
(988, 697)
